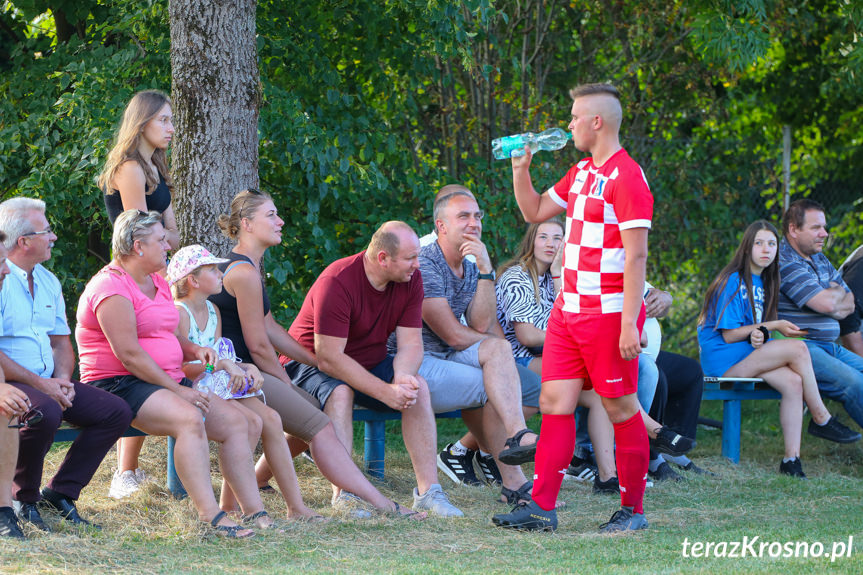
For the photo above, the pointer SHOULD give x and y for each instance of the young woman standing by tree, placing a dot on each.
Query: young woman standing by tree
(136, 177)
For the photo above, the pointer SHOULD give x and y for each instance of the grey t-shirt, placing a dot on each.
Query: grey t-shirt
(440, 281)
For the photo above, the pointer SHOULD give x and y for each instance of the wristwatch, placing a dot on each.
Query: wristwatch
(490, 276)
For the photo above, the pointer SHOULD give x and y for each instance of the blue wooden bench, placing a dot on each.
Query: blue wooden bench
(373, 454)
(375, 440)
(731, 391)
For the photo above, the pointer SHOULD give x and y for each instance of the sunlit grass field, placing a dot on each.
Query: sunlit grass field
(153, 533)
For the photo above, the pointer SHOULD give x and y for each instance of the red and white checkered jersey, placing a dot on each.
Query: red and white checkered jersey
(599, 202)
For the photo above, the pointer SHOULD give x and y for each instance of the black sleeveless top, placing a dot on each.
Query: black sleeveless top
(158, 201)
(227, 304)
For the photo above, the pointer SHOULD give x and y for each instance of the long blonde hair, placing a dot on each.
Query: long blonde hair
(526, 257)
(142, 108)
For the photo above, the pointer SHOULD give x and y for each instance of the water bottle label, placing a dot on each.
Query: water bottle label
(512, 146)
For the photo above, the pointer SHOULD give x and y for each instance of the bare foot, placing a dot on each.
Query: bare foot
(306, 514)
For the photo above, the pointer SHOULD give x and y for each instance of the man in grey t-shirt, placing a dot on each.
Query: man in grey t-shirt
(814, 297)
(463, 359)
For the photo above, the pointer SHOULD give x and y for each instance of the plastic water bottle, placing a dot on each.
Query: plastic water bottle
(513, 146)
(205, 382)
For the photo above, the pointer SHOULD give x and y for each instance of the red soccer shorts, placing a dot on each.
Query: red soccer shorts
(587, 346)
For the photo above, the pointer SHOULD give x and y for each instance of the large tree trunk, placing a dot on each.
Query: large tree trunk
(215, 96)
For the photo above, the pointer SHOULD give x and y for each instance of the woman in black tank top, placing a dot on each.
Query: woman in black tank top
(136, 175)
(254, 224)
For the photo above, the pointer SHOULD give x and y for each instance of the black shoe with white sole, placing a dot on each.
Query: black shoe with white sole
(459, 468)
(527, 517)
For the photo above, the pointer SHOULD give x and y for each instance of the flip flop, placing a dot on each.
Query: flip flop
(229, 531)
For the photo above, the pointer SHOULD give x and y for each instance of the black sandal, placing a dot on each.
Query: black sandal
(229, 531)
(516, 496)
(250, 519)
(516, 454)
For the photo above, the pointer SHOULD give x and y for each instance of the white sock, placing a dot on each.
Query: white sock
(484, 455)
(458, 448)
(680, 460)
(655, 463)
(826, 421)
(787, 459)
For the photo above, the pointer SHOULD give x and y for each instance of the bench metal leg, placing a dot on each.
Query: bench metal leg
(374, 448)
(175, 486)
(731, 422)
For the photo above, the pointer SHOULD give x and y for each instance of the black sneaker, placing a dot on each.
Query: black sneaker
(488, 469)
(794, 468)
(671, 442)
(9, 524)
(833, 430)
(29, 513)
(609, 487)
(624, 520)
(665, 473)
(691, 467)
(527, 516)
(459, 468)
(580, 470)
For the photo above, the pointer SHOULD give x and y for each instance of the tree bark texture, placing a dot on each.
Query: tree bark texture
(216, 96)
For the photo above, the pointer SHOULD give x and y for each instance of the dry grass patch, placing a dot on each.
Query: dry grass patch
(154, 533)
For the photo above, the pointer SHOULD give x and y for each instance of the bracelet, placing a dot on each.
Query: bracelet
(764, 332)
(555, 277)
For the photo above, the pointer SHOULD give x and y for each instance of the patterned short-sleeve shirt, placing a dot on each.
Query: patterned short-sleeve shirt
(516, 302)
(800, 280)
(600, 202)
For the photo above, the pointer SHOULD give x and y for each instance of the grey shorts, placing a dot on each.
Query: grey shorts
(455, 380)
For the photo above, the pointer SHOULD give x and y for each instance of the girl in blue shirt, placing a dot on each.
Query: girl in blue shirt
(738, 314)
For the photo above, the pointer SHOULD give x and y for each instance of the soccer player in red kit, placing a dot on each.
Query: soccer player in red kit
(594, 333)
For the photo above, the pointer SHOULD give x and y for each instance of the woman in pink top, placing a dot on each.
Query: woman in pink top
(128, 345)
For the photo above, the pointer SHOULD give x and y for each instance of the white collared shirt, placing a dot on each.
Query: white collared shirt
(28, 321)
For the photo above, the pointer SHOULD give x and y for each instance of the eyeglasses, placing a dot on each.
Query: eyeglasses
(252, 192)
(29, 419)
(47, 230)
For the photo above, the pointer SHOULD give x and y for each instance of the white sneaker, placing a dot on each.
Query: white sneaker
(123, 484)
(351, 505)
(436, 501)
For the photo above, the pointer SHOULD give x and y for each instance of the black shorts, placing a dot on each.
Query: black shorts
(132, 390)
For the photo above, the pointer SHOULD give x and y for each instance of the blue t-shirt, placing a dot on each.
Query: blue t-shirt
(717, 356)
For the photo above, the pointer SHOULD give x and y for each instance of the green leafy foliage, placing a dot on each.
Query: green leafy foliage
(369, 107)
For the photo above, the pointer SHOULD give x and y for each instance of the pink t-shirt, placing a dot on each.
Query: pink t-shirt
(156, 322)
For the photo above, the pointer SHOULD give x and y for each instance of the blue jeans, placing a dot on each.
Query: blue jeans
(840, 376)
(648, 378)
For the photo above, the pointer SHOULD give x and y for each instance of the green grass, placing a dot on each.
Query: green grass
(152, 533)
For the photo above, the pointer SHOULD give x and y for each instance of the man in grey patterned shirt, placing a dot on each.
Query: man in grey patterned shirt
(814, 297)
(474, 355)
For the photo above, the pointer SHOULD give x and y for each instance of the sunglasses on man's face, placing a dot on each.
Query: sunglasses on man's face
(29, 419)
